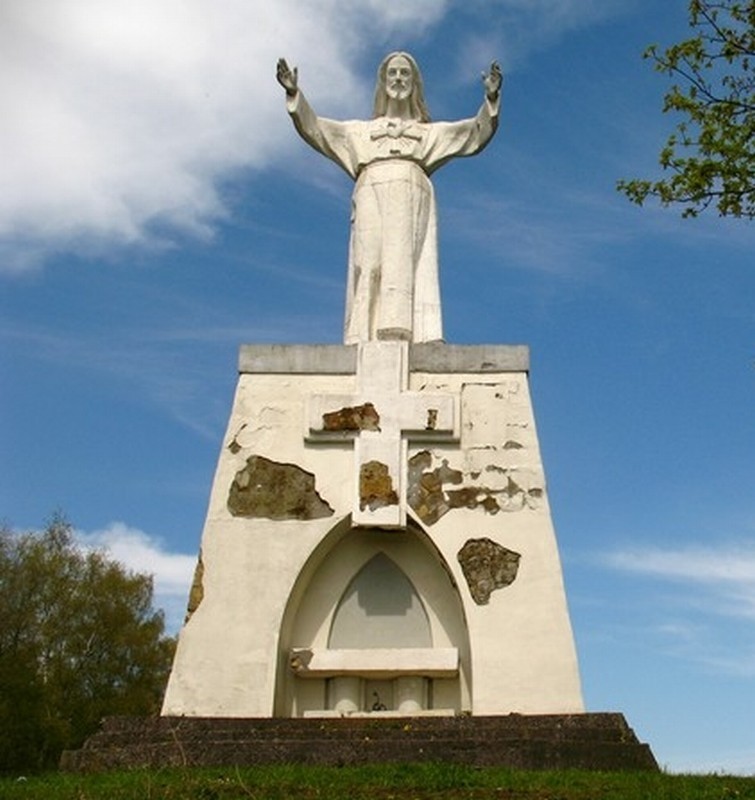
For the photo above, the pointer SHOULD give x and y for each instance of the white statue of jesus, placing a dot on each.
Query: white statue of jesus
(393, 289)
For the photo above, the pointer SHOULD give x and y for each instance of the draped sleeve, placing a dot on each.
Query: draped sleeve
(332, 138)
(447, 140)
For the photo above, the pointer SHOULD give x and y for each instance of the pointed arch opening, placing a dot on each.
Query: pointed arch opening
(380, 609)
(374, 624)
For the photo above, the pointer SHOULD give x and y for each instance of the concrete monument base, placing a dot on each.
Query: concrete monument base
(378, 539)
(582, 741)
(378, 580)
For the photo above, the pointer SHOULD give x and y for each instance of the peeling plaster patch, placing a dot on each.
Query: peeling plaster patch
(487, 566)
(352, 418)
(430, 499)
(514, 497)
(196, 593)
(375, 486)
(471, 497)
(512, 445)
(265, 488)
(420, 461)
(526, 492)
(425, 494)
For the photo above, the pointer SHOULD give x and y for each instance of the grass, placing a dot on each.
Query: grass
(386, 782)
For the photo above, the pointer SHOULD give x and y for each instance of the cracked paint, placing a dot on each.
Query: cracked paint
(265, 488)
(487, 566)
(234, 445)
(431, 498)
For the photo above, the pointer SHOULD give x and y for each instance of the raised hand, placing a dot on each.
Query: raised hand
(492, 81)
(287, 78)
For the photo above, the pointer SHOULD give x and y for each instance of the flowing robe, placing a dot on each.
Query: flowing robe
(393, 287)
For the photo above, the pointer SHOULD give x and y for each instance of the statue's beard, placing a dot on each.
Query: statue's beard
(399, 91)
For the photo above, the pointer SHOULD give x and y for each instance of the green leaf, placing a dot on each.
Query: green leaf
(710, 156)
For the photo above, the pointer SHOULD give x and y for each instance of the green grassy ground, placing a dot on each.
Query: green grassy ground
(405, 782)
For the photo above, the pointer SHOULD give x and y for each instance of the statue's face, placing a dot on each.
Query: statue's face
(399, 78)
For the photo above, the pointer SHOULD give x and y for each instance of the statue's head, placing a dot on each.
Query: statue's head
(399, 78)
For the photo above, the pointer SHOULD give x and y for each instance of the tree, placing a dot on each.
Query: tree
(711, 154)
(79, 640)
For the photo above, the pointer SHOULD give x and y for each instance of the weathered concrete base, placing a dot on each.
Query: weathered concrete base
(556, 741)
(378, 579)
(375, 509)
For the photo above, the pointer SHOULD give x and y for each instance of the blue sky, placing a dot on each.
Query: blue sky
(157, 210)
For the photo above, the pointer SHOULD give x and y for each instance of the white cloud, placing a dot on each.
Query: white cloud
(720, 580)
(413, 12)
(733, 566)
(123, 119)
(140, 552)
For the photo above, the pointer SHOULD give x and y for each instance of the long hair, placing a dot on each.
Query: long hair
(416, 99)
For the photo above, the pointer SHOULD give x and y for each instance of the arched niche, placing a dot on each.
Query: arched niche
(380, 609)
(335, 593)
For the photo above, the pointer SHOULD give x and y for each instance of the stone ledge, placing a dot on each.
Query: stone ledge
(377, 663)
(298, 359)
(554, 741)
(337, 359)
(483, 358)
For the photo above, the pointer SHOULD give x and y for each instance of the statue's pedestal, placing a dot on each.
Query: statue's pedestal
(601, 742)
(378, 539)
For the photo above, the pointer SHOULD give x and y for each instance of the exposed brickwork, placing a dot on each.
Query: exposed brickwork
(580, 741)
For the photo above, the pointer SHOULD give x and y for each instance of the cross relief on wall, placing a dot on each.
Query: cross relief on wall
(382, 418)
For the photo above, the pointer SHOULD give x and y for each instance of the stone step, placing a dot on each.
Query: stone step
(607, 728)
(581, 741)
(521, 755)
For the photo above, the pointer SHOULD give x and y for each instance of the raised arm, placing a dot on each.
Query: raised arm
(466, 137)
(327, 136)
